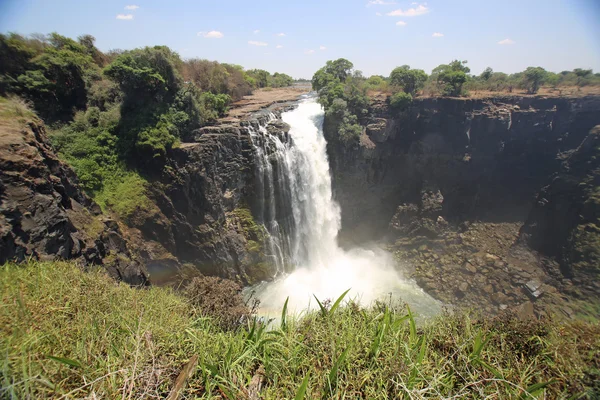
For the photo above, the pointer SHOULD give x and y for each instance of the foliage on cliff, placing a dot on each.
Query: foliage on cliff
(343, 95)
(65, 333)
(121, 112)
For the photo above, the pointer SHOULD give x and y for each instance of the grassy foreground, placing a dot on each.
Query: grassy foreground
(65, 333)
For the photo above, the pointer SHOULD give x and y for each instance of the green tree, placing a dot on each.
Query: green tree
(552, 79)
(261, 77)
(146, 74)
(533, 77)
(338, 70)
(321, 79)
(410, 80)
(451, 76)
(582, 75)
(400, 101)
(375, 80)
(486, 74)
(58, 78)
(88, 41)
(343, 122)
(15, 53)
(281, 80)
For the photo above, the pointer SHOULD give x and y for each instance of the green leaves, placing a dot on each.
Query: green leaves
(302, 389)
(410, 80)
(324, 311)
(475, 356)
(283, 325)
(66, 361)
(400, 101)
(535, 390)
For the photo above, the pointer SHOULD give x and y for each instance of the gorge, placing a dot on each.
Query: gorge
(272, 199)
(443, 193)
(296, 183)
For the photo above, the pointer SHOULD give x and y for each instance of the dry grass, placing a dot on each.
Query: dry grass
(65, 333)
(15, 112)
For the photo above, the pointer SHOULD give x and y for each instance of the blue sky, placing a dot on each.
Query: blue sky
(375, 35)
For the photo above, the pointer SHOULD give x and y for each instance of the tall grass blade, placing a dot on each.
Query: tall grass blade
(323, 309)
(335, 368)
(66, 361)
(338, 302)
(535, 390)
(412, 326)
(478, 345)
(491, 369)
(302, 389)
(284, 314)
(250, 336)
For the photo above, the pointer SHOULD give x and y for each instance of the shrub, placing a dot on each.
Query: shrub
(452, 77)
(219, 299)
(124, 193)
(533, 78)
(400, 101)
(410, 80)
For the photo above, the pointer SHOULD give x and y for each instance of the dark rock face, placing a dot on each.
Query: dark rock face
(44, 215)
(450, 182)
(487, 157)
(565, 220)
(201, 218)
(198, 200)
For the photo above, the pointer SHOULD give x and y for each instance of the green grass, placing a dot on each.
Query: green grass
(65, 333)
(125, 195)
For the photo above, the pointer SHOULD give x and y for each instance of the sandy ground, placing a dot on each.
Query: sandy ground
(262, 98)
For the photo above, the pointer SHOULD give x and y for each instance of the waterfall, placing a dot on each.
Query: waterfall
(272, 172)
(303, 220)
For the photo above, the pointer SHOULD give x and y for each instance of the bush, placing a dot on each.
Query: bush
(410, 80)
(219, 299)
(219, 103)
(533, 78)
(124, 193)
(400, 101)
(451, 77)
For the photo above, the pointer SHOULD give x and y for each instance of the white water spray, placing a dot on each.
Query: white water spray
(320, 266)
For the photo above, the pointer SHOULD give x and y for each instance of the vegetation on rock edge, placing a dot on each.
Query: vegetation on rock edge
(70, 334)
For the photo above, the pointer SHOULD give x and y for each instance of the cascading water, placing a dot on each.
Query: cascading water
(294, 175)
(271, 151)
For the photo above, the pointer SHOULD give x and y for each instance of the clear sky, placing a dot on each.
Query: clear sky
(297, 37)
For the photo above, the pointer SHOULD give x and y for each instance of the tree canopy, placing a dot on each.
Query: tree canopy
(410, 80)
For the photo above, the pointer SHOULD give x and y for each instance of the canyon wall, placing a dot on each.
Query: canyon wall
(490, 204)
(200, 217)
(44, 214)
(205, 201)
(488, 158)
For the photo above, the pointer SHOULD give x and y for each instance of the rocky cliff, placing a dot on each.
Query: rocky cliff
(487, 157)
(43, 213)
(200, 217)
(451, 184)
(564, 222)
(204, 205)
